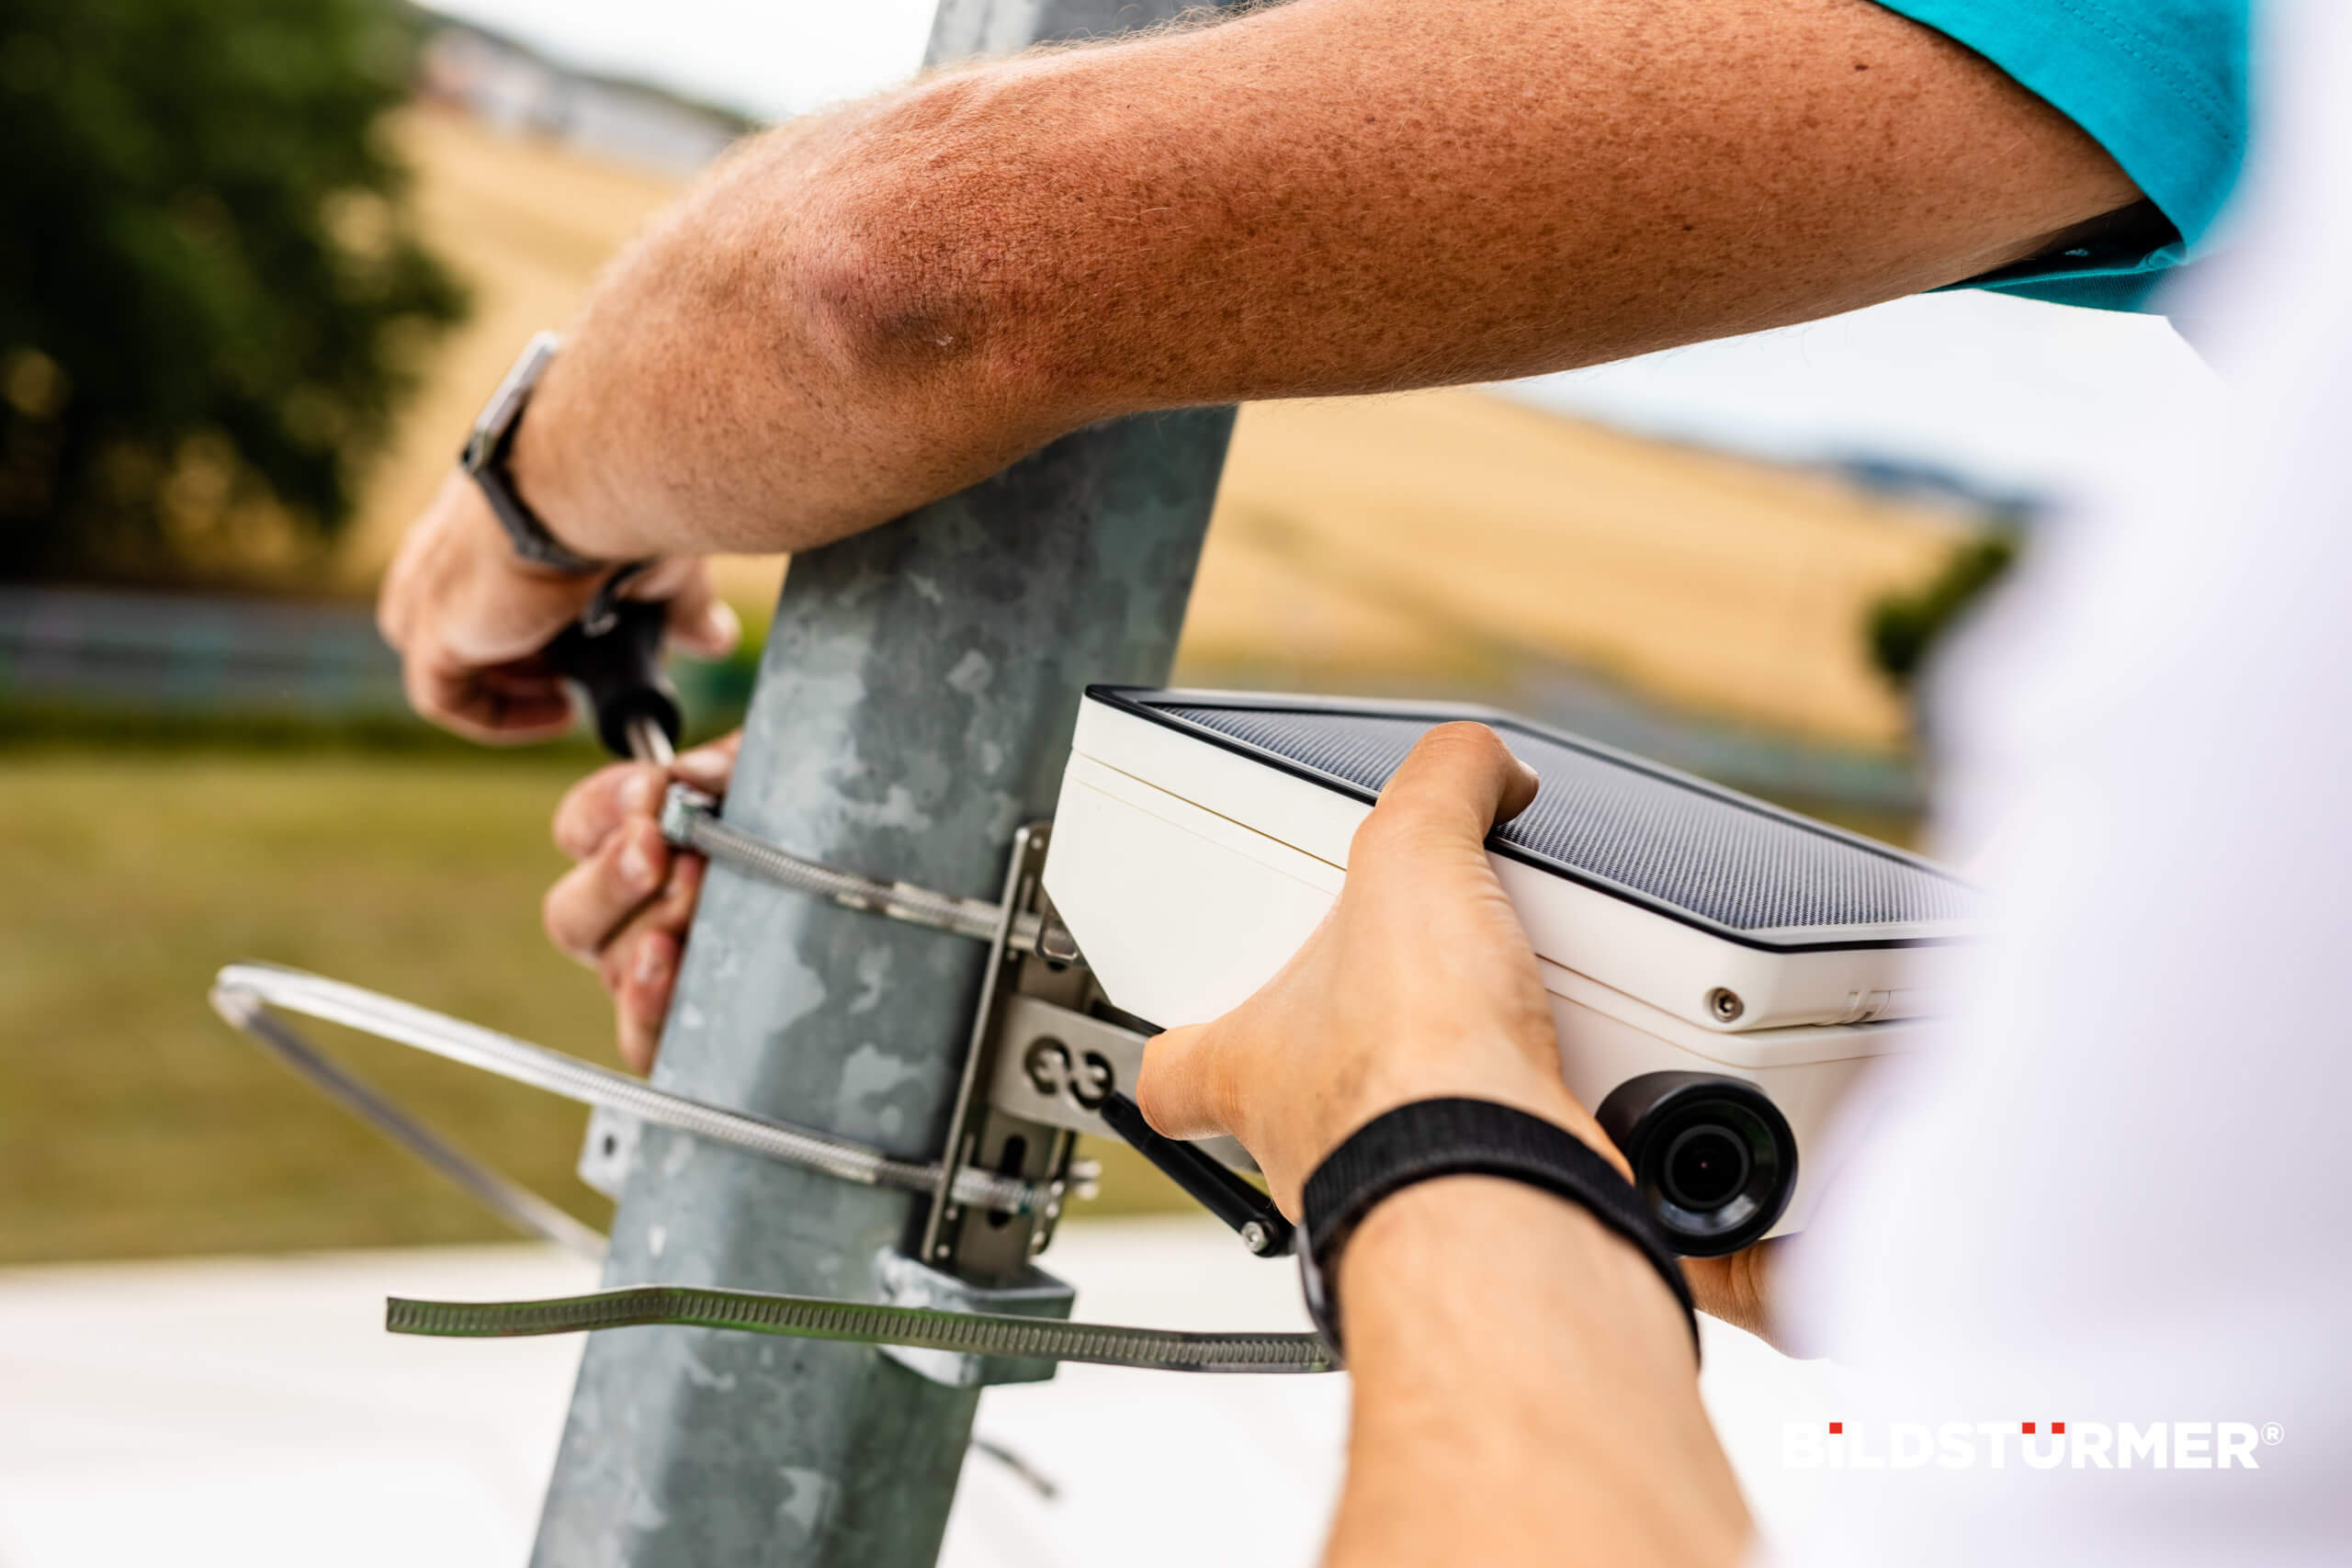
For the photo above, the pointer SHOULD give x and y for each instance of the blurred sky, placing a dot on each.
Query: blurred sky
(2016, 395)
(770, 58)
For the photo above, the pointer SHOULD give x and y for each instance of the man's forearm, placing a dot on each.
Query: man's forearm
(864, 312)
(1524, 1393)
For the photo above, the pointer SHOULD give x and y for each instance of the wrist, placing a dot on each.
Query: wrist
(490, 545)
(1439, 1140)
(1435, 1230)
(549, 469)
(490, 459)
(1500, 1078)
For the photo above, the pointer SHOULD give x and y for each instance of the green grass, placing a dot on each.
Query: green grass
(135, 1122)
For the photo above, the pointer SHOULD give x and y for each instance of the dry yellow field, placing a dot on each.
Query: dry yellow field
(1375, 536)
(1398, 539)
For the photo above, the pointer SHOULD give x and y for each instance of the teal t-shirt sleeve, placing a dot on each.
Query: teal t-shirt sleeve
(2160, 84)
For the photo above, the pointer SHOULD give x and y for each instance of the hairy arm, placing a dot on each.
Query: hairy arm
(867, 309)
(864, 310)
(1522, 1395)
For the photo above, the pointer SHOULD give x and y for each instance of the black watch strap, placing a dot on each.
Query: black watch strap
(491, 444)
(1431, 1138)
(531, 537)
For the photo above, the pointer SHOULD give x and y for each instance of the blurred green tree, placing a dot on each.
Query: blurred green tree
(1906, 627)
(211, 293)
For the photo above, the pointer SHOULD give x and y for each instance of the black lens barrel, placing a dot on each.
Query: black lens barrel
(1713, 1158)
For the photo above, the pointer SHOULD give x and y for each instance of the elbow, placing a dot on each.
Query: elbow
(904, 285)
(883, 306)
(908, 285)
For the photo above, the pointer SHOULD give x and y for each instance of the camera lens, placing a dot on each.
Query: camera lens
(1705, 1167)
(1714, 1159)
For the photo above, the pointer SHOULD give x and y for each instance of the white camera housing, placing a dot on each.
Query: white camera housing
(1682, 928)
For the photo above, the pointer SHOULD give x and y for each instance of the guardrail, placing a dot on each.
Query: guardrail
(204, 656)
(194, 654)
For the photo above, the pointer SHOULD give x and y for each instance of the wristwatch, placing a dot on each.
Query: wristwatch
(1431, 1138)
(492, 442)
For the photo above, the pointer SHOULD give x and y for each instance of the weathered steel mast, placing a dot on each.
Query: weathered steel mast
(913, 708)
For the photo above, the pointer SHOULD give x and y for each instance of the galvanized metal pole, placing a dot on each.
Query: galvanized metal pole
(914, 706)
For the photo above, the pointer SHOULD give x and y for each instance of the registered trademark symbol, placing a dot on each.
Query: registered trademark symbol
(2273, 1433)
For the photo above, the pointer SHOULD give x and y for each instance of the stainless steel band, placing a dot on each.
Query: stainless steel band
(810, 1317)
(243, 994)
(690, 820)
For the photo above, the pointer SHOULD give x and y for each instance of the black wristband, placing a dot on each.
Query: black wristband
(532, 539)
(491, 444)
(1431, 1138)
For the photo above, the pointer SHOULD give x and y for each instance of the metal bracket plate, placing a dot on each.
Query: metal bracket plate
(906, 1283)
(995, 1247)
(1057, 1065)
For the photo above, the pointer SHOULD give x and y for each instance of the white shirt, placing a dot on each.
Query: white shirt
(2124, 1194)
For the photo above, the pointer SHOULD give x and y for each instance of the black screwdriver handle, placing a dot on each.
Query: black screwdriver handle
(1250, 1212)
(612, 655)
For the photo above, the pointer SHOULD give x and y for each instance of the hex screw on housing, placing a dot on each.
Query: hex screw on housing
(1725, 1005)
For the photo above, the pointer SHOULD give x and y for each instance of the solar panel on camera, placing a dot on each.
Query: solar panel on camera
(1666, 839)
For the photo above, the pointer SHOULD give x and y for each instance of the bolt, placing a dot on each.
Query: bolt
(1253, 1236)
(1725, 1005)
(1055, 943)
(680, 806)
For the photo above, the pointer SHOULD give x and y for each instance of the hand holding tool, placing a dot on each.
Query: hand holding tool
(612, 656)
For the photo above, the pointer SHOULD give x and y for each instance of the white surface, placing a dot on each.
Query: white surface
(253, 1414)
(1190, 872)
(1185, 903)
(2124, 1198)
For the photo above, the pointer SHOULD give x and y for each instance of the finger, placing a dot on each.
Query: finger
(1459, 780)
(1737, 1289)
(591, 901)
(395, 598)
(641, 971)
(701, 623)
(592, 809)
(491, 718)
(405, 600)
(640, 964)
(1179, 1089)
(510, 710)
(392, 604)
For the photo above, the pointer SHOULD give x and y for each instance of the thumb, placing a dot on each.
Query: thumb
(1178, 1089)
(700, 621)
(1457, 783)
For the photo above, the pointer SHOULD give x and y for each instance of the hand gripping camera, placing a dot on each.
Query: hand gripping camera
(1720, 970)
